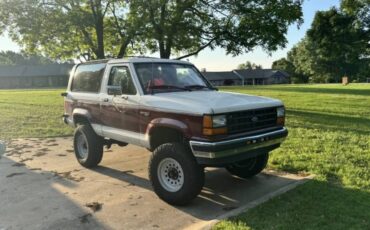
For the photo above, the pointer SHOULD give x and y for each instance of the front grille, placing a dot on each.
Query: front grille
(251, 120)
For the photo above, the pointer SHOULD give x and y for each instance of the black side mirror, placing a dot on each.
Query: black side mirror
(114, 90)
(64, 94)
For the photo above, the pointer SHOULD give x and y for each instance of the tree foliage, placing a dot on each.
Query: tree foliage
(249, 65)
(13, 58)
(66, 29)
(336, 45)
(188, 27)
(112, 28)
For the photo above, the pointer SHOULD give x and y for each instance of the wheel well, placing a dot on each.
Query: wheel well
(79, 119)
(161, 135)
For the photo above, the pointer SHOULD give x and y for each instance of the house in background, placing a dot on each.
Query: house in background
(247, 77)
(222, 78)
(262, 76)
(34, 76)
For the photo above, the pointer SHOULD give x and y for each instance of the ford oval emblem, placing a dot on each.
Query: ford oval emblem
(254, 119)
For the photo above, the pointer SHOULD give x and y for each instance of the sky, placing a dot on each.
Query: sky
(217, 60)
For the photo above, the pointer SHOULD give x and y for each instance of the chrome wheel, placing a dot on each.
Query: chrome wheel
(170, 175)
(82, 146)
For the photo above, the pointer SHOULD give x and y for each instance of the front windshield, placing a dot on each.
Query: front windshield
(168, 77)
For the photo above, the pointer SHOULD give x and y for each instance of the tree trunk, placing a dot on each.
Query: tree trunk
(99, 27)
(123, 48)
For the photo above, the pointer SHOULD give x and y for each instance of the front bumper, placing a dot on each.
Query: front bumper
(230, 151)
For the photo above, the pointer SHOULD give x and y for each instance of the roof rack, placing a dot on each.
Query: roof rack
(141, 56)
(109, 59)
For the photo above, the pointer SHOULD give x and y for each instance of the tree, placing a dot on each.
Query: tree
(283, 64)
(301, 58)
(337, 44)
(63, 29)
(13, 58)
(249, 65)
(188, 27)
(111, 28)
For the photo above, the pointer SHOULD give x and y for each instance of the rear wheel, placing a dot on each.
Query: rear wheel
(175, 175)
(88, 146)
(249, 168)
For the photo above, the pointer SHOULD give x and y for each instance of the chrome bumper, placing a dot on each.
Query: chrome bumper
(229, 148)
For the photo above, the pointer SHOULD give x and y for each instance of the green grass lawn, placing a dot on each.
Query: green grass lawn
(329, 136)
(31, 113)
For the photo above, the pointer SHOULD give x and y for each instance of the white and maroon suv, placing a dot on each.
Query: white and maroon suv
(167, 106)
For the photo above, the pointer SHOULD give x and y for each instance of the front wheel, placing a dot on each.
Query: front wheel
(175, 175)
(88, 146)
(250, 167)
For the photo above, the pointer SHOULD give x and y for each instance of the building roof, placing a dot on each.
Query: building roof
(220, 76)
(35, 70)
(260, 73)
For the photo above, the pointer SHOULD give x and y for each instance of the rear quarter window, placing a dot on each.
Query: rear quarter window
(88, 78)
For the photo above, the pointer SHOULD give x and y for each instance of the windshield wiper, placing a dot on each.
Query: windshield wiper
(196, 87)
(168, 87)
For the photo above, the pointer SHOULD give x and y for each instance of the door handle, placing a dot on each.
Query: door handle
(124, 97)
(106, 100)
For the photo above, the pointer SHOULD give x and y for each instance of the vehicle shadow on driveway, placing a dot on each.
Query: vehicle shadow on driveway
(221, 193)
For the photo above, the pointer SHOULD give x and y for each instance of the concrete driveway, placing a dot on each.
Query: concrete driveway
(43, 187)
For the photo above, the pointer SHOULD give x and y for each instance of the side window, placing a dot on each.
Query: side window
(120, 76)
(87, 78)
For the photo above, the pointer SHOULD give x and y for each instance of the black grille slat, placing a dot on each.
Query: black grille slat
(251, 123)
(242, 121)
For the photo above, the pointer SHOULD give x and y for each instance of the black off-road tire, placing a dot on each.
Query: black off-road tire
(94, 146)
(249, 168)
(192, 173)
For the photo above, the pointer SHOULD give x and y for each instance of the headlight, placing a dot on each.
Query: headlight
(280, 112)
(219, 121)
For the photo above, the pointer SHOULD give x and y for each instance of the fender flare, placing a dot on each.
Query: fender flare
(168, 123)
(81, 113)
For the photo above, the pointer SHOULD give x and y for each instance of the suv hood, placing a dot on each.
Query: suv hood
(207, 102)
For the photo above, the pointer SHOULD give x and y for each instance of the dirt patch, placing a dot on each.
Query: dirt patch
(36, 169)
(51, 140)
(94, 206)
(85, 218)
(15, 174)
(45, 150)
(18, 164)
(26, 159)
(68, 175)
(39, 154)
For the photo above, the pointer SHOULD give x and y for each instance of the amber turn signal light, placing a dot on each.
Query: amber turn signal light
(207, 122)
(280, 121)
(216, 131)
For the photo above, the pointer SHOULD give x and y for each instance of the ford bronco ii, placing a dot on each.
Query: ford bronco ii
(168, 107)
